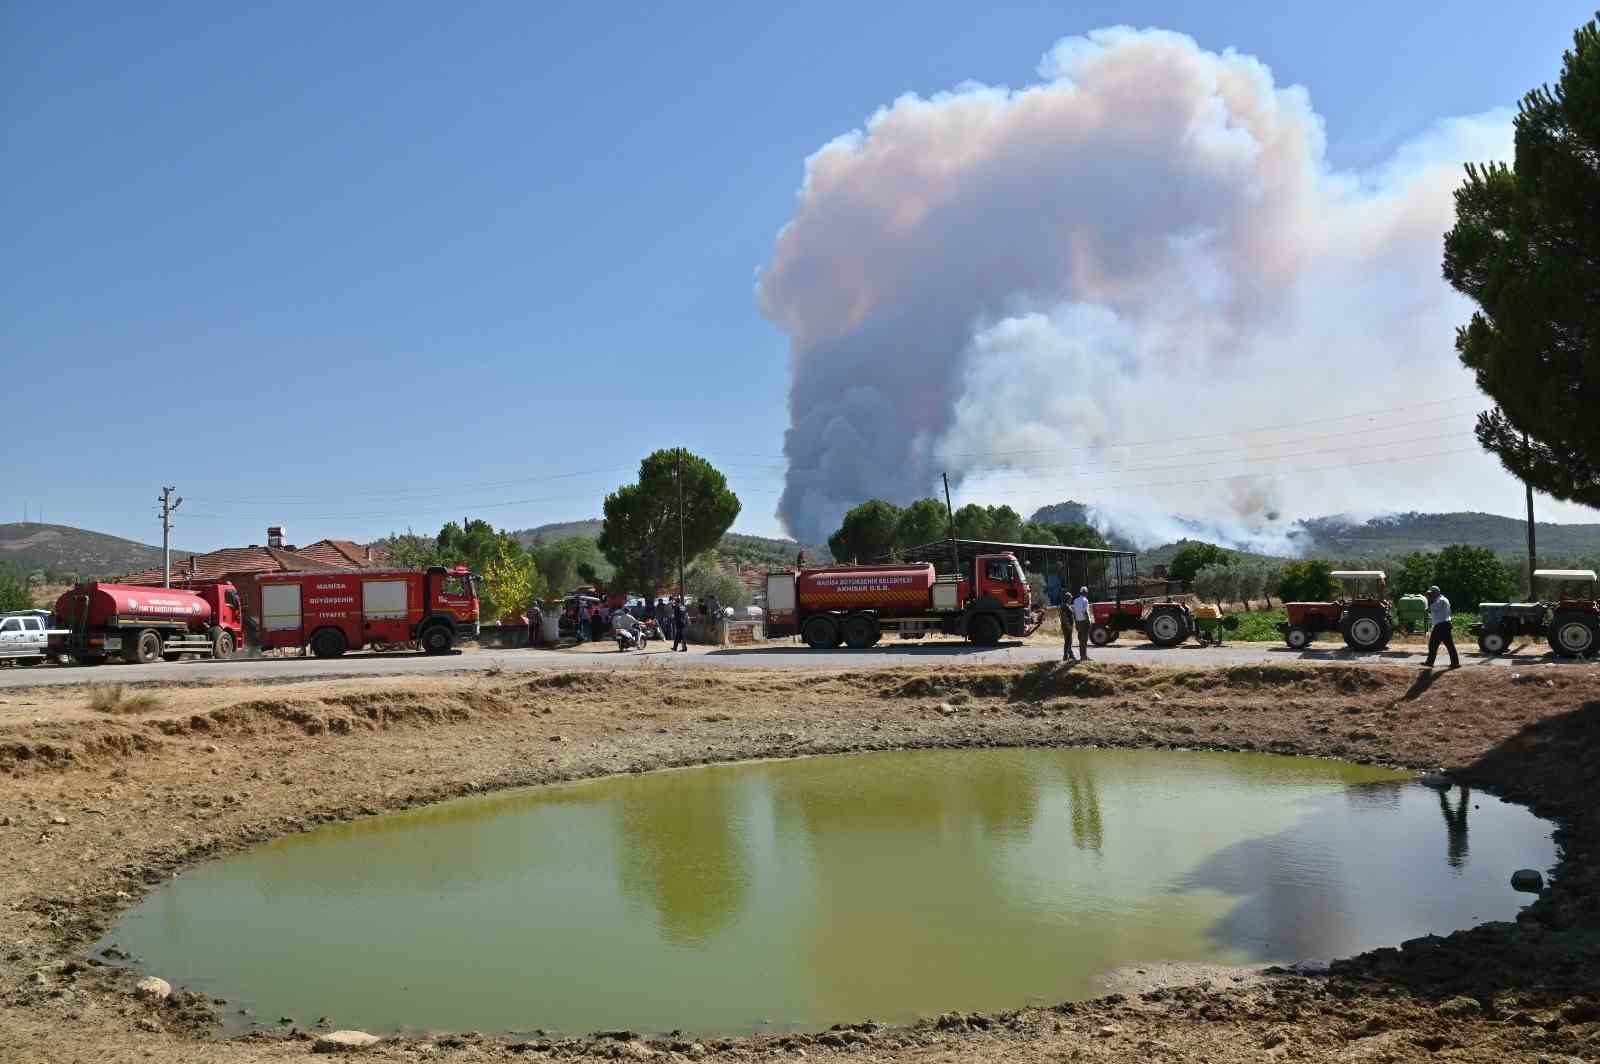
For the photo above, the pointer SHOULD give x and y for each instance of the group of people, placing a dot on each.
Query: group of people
(594, 622)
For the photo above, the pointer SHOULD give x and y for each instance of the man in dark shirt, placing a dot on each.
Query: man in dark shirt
(680, 625)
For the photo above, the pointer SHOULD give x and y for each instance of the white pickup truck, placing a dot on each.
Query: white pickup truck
(25, 636)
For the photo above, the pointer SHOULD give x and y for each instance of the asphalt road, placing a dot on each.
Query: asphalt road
(772, 656)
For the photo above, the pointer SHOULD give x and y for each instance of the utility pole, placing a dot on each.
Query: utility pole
(678, 476)
(955, 551)
(168, 506)
(1532, 549)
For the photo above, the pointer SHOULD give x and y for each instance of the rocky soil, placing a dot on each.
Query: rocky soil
(102, 797)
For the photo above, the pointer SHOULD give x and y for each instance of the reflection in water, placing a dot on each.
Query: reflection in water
(814, 891)
(1087, 832)
(1455, 826)
(681, 852)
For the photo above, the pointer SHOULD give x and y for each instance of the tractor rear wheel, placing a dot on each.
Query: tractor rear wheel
(1297, 638)
(1167, 628)
(1100, 635)
(1367, 632)
(860, 631)
(1492, 643)
(985, 630)
(1573, 637)
(820, 633)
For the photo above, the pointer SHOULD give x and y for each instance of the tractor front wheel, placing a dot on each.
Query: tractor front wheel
(1492, 643)
(1100, 635)
(1297, 638)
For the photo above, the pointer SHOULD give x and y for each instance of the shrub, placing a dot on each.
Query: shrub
(1307, 581)
(110, 698)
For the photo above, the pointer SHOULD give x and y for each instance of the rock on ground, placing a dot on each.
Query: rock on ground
(344, 1042)
(153, 988)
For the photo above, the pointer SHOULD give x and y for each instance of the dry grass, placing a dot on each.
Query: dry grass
(111, 698)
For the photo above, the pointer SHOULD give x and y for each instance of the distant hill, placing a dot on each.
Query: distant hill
(64, 549)
(1341, 537)
(735, 546)
(530, 537)
(1402, 533)
(760, 550)
(1062, 513)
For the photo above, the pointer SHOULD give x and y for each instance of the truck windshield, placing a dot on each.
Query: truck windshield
(457, 586)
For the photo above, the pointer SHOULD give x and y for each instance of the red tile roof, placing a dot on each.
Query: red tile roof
(346, 554)
(232, 561)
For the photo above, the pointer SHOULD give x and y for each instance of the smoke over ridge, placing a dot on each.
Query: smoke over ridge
(1130, 284)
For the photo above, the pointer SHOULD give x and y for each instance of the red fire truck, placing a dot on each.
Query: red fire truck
(142, 624)
(857, 604)
(335, 612)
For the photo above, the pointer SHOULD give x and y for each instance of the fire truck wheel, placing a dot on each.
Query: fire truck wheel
(1100, 635)
(1297, 638)
(860, 632)
(985, 630)
(437, 640)
(820, 633)
(1492, 643)
(328, 643)
(143, 648)
(1573, 637)
(222, 644)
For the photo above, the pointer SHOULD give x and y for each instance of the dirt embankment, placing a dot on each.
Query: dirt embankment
(98, 804)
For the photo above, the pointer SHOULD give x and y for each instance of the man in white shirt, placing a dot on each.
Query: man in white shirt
(1080, 617)
(1439, 628)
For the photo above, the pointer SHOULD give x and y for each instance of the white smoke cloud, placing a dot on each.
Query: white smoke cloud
(1137, 283)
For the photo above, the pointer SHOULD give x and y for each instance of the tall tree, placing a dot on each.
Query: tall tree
(1194, 556)
(867, 533)
(924, 521)
(1526, 248)
(640, 533)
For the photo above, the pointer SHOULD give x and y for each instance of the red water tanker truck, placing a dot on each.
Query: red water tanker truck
(857, 604)
(144, 624)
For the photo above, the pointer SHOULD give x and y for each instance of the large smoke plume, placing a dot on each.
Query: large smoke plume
(1122, 285)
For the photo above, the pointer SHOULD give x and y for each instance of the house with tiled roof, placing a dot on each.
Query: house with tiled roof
(347, 554)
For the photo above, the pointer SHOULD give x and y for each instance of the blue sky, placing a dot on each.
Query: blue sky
(351, 268)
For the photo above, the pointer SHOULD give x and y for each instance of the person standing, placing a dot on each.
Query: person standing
(1080, 621)
(1066, 629)
(680, 625)
(1439, 628)
(535, 623)
(583, 621)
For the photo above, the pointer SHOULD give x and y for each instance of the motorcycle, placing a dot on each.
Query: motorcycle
(637, 639)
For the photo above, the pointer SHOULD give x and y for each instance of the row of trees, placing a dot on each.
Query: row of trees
(880, 529)
(1467, 575)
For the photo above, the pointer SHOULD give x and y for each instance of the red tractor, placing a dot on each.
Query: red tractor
(1166, 624)
(1364, 618)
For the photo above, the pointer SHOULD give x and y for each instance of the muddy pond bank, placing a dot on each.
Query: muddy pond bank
(96, 807)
